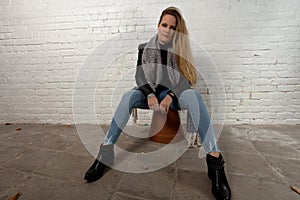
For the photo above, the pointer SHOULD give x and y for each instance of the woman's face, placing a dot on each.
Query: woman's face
(166, 29)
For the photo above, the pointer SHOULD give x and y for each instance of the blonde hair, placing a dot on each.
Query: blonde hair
(181, 44)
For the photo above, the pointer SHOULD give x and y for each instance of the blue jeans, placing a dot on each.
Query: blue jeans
(189, 99)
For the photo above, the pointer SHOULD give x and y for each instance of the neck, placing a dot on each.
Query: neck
(164, 45)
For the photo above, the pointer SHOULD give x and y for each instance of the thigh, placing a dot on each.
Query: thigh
(189, 98)
(136, 99)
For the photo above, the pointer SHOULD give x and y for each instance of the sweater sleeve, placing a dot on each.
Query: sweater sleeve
(140, 75)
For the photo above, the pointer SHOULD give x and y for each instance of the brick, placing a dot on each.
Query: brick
(128, 15)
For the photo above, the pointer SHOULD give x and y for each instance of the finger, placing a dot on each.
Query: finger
(165, 108)
(168, 107)
(151, 105)
(154, 107)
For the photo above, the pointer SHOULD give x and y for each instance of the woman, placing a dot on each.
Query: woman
(164, 75)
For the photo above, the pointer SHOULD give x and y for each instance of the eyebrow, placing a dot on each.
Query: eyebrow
(165, 23)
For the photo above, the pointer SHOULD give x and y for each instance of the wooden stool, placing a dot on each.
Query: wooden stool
(164, 128)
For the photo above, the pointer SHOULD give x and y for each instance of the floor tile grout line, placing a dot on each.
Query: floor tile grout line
(45, 148)
(31, 174)
(281, 176)
(118, 184)
(131, 196)
(281, 157)
(28, 175)
(172, 197)
(295, 149)
(271, 180)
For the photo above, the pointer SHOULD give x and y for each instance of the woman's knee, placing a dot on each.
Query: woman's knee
(128, 94)
(131, 93)
(189, 99)
(190, 94)
(132, 96)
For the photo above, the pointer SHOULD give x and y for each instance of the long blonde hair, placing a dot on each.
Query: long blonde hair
(181, 44)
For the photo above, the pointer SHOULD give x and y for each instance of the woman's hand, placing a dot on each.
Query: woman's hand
(166, 102)
(152, 102)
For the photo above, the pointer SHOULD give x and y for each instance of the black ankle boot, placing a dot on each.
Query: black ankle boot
(104, 160)
(220, 187)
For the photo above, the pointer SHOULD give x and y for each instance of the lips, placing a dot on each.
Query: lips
(164, 35)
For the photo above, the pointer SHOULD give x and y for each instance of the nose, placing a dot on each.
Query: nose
(167, 30)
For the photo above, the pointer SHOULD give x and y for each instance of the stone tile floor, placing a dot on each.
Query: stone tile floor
(49, 162)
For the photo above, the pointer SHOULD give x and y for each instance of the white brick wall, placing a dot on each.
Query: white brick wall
(45, 44)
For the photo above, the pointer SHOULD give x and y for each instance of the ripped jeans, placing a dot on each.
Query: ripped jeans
(189, 99)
